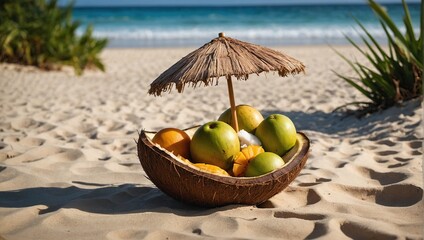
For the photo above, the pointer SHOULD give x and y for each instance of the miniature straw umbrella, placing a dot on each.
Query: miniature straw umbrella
(224, 57)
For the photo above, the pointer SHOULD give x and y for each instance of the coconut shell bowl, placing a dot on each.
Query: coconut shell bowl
(221, 57)
(185, 183)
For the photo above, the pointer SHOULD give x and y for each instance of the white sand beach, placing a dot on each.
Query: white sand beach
(69, 167)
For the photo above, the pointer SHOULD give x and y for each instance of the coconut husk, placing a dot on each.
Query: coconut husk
(187, 184)
(224, 56)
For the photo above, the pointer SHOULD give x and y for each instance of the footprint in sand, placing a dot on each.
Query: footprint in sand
(111, 126)
(397, 165)
(3, 145)
(127, 234)
(304, 216)
(312, 197)
(341, 164)
(21, 124)
(387, 142)
(384, 178)
(359, 231)
(294, 196)
(417, 153)
(317, 181)
(24, 123)
(320, 229)
(11, 139)
(399, 195)
(46, 153)
(7, 173)
(396, 195)
(416, 144)
(32, 142)
(219, 226)
(400, 159)
(387, 153)
(45, 127)
(62, 135)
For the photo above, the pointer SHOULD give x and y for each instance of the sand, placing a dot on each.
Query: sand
(69, 165)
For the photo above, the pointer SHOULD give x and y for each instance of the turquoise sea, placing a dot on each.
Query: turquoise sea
(267, 25)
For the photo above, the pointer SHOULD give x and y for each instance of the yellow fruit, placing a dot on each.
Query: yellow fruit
(242, 159)
(211, 169)
(184, 160)
(248, 118)
(174, 140)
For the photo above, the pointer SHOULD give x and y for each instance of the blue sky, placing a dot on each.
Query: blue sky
(211, 3)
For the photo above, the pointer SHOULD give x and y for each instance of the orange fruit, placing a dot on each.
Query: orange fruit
(184, 160)
(174, 140)
(242, 159)
(211, 169)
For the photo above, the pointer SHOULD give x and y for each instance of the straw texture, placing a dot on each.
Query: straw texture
(224, 56)
(192, 186)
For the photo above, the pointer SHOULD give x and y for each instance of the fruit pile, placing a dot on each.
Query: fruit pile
(258, 148)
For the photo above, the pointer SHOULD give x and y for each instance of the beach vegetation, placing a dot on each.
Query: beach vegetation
(394, 72)
(42, 34)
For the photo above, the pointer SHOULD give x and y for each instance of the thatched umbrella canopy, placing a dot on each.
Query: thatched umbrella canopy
(224, 57)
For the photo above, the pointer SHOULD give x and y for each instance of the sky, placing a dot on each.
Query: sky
(82, 3)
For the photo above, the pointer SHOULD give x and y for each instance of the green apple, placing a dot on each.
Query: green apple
(215, 143)
(248, 118)
(277, 134)
(263, 163)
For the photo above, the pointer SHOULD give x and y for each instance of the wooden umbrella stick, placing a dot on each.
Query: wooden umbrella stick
(234, 121)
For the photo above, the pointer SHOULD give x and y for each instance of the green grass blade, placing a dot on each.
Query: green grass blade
(408, 25)
(375, 59)
(382, 83)
(376, 44)
(382, 14)
(351, 64)
(355, 85)
(406, 52)
(355, 45)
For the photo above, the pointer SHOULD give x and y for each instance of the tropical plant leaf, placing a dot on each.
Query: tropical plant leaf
(357, 86)
(382, 14)
(395, 75)
(408, 25)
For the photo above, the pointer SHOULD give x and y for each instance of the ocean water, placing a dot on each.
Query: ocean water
(267, 25)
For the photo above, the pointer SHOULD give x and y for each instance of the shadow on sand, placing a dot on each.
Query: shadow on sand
(343, 125)
(106, 199)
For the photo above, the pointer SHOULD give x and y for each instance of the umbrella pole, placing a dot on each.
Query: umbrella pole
(234, 122)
